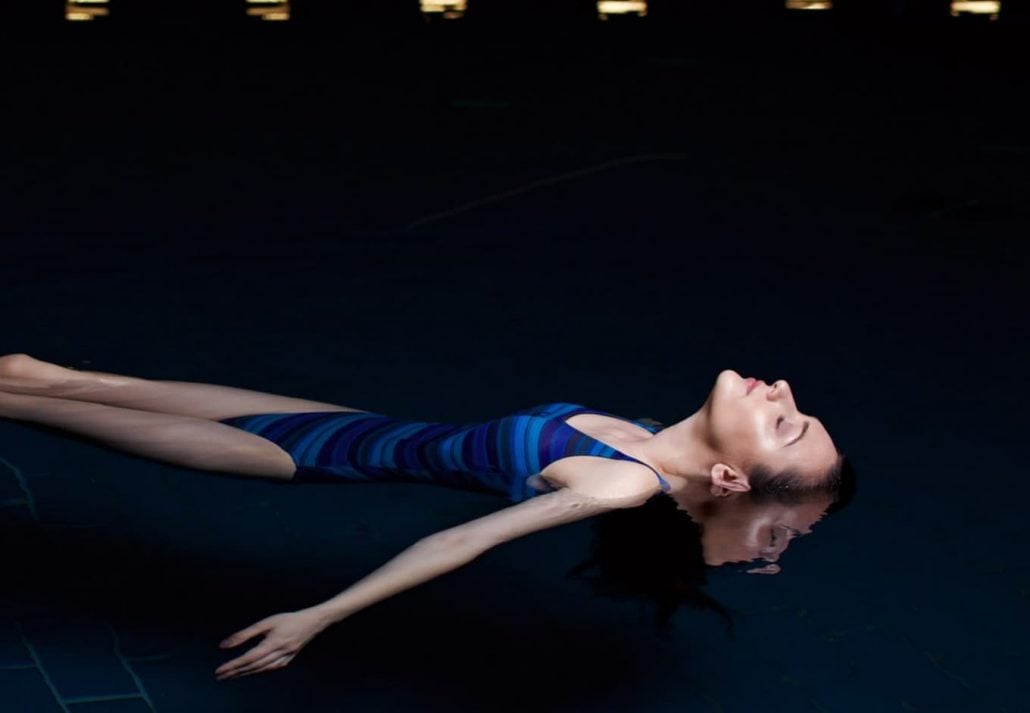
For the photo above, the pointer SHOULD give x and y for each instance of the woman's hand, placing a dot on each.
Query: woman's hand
(285, 635)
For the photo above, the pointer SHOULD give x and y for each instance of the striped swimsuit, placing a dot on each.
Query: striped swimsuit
(499, 456)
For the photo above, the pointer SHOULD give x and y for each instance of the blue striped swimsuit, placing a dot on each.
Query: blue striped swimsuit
(499, 456)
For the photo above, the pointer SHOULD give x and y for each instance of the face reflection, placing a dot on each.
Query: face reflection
(740, 531)
(763, 426)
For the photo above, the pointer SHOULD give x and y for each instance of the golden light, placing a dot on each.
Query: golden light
(447, 9)
(809, 4)
(270, 10)
(991, 8)
(85, 10)
(607, 8)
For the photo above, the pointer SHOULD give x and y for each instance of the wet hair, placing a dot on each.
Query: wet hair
(790, 487)
(653, 553)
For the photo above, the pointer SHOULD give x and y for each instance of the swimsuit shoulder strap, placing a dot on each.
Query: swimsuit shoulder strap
(567, 410)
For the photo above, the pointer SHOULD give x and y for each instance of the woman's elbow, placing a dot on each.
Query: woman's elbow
(455, 541)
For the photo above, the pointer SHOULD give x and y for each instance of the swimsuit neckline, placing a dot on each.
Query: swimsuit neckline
(587, 409)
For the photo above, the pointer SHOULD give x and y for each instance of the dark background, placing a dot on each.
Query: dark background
(450, 221)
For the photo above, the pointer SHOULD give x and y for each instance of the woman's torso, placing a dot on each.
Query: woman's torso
(516, 456)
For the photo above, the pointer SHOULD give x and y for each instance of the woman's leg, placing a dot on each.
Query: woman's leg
(179, 440)
(22, 374)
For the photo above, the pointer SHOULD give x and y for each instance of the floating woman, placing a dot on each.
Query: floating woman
(558, 463)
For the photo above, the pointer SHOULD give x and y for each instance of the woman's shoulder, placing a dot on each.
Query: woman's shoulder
(564, 409)
(623, 482)
(550, 409)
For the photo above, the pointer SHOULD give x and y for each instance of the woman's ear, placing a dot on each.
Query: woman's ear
(726, 480)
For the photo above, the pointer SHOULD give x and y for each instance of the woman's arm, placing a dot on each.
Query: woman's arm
(449, 549)
(286, 634)
(428, 558)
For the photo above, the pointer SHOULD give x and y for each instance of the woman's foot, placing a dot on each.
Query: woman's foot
(22, 366)
(22, 374)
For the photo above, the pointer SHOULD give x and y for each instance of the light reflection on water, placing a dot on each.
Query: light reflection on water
(444, 9)
(279, 10)
(809, 4)
(607, 8)
(991, 8)
(85, 10)
(271, 10)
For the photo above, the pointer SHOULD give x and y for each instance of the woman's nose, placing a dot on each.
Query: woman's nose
(780, 388)
(781, 391)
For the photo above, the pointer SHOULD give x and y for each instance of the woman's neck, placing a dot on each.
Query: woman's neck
(681, 451)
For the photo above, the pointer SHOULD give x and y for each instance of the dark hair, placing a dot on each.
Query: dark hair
(653, 553)
(650, 553)
(792, 488)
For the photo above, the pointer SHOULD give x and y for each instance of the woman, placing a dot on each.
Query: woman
(558, 462)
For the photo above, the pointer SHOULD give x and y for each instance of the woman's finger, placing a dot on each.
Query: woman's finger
(240, 636)
(277, 663)
(248, 658)
(271, 664)
(259, 663)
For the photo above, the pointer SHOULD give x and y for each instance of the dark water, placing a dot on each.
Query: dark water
(445, 225)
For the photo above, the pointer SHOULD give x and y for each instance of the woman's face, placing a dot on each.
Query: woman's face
(749, 422)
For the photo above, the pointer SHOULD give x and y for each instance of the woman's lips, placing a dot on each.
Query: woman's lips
(751, 386)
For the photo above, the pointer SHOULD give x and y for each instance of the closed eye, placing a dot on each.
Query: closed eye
(798, 438)
(804, 428)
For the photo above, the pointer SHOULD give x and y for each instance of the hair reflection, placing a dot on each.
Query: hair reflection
(664, 551)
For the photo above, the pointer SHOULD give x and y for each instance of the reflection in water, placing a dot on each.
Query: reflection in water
(84, 10)
(273, 10)
(740, 530)
(606, 8)
(809, 4)
(279, 10)
(991, 8)
(446, 9)
(666, 550)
